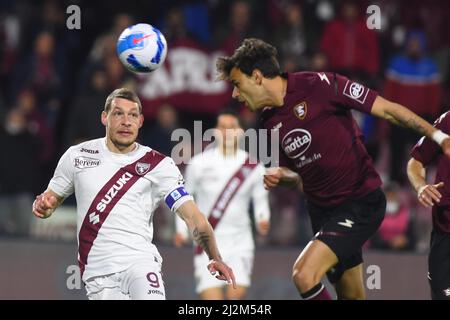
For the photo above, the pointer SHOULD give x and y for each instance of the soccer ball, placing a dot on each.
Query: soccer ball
(142, 48)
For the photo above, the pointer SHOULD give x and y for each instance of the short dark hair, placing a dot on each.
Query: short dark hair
(123, 93)
(228, 112)
(252, 54)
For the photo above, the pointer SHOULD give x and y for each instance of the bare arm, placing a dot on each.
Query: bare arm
(46, 203)
(399, 115)
(203, 235)
(427, 194)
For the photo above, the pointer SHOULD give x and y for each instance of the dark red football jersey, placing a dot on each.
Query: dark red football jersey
(427, 152)
(319, 138)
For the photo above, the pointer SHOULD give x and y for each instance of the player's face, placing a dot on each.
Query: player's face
(229, 130)
(122, 123)
(246, 89)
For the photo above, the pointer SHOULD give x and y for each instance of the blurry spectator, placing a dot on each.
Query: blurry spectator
(351, 48)
(105, 45)
(291, 39)
(43, 72)
(413, 80)
(197, 20)
(175, 27)
(319, 62)
(19, 172)
(159, 134)
(83, 118)
(26, 103)
(9, 41)
(395, 232)
(240, 26)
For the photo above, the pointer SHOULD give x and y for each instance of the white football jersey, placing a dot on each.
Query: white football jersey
(206, 177)
(116, 196)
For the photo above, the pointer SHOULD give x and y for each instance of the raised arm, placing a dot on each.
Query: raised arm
(399, 115)
(46, 203)
(203, 235)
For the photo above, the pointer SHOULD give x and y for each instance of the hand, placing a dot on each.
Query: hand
(44, 205)
(263, 227)
(272, 177)
(429, 194)
(179, 240)
(225, 272)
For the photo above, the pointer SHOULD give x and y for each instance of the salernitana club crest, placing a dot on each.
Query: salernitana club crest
(300, 110)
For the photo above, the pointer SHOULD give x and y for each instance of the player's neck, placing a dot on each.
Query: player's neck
(226, 152)
(276, 89)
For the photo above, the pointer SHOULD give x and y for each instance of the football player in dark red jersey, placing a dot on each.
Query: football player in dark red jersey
(436, 196)
(321, 147)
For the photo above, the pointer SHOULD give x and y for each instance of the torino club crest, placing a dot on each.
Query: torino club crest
(142, 168)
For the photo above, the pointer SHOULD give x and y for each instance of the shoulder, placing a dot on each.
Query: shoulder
(443, 122)
(90, 147)
(307, 78)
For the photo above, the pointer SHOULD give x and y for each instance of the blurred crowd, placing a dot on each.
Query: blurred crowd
(54, 81)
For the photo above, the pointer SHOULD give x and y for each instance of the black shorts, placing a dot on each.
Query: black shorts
(439, 266)
(346, 227)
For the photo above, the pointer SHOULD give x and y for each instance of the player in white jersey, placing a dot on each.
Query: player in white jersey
(223, 181)
(118, 184)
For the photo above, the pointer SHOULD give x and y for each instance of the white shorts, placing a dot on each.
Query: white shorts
(240, 262)
(141, 281)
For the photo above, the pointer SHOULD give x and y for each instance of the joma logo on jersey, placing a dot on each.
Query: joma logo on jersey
(89, 151)
(86, 162)
(296, 142)
(112, 192)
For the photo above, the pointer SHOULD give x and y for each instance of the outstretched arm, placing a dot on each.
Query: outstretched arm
(203, 235)
(427, 194)
(46, 203)
(399, 115)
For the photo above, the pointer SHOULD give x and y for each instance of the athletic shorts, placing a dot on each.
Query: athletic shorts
(439, 266)
(141, 281)
(346, 227)
(240, 262)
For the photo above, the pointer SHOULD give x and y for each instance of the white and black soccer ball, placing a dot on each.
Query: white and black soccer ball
(142, 48)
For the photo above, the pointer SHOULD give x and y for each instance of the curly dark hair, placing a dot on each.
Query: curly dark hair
(252, 54)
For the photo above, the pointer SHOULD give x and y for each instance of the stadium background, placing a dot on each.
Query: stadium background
(53, 83)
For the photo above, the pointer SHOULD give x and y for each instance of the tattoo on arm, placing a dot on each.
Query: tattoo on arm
(408, 120)
(202, 239)
(412, 124)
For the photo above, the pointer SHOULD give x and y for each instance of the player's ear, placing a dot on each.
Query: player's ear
(257, 76)
(141, 120)
(103, 118)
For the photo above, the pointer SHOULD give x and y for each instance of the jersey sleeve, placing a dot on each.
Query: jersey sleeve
(260, 196)
(345, 93)
(170, 184)
(426, 150)
(62, 182)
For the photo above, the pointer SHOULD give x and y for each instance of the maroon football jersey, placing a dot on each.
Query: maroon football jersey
(319, 138)
(427, 152)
